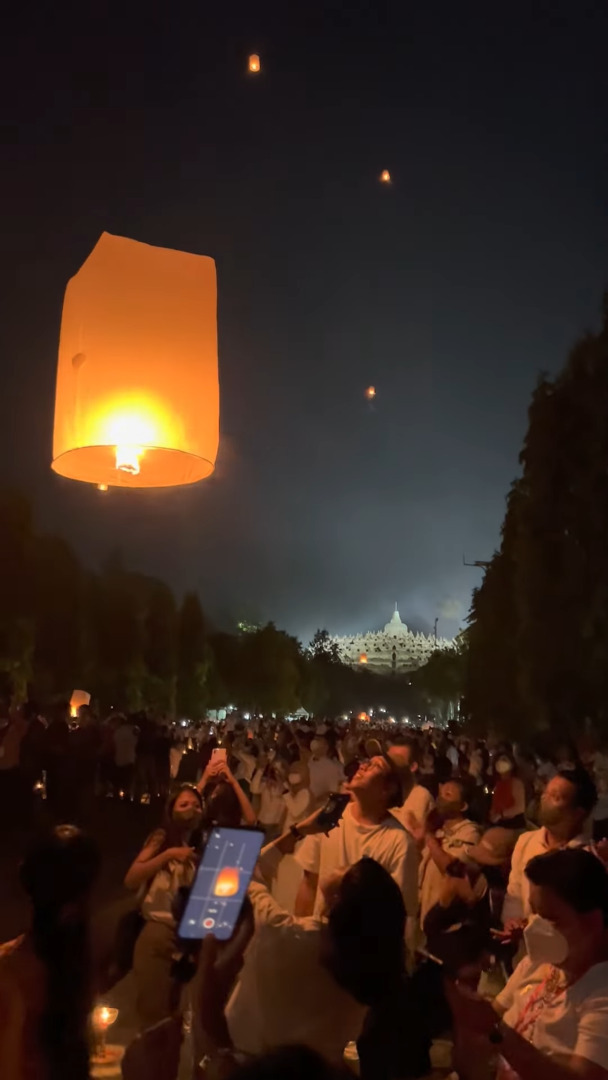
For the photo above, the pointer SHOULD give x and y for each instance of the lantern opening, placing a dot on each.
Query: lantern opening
(127, 459)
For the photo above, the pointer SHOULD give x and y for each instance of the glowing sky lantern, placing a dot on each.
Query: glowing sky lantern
(78, 698)
(227, 882)
(385, 176)
(370, 393)
(137, 401)
(254, 63)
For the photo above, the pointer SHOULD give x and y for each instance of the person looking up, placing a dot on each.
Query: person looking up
(45, 980)
(367, 828)
(565, 805)
(419, 801)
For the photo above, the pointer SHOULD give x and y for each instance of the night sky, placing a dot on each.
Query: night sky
(448, 291)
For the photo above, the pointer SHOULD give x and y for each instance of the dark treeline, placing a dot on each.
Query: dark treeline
(538, 636)
(125, 638)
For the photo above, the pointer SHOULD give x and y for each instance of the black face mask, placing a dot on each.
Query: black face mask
(189, 818)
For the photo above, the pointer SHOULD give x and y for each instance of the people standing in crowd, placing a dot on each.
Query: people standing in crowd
(12, 793)
(367, 828)
(551, 1019)
(442, 846)
(309, 980)
(224, 800)
(165, 863)
(565, 806)
(58, 764)
(326, 772)
(509, 795)
(418, 801)
(45, 978)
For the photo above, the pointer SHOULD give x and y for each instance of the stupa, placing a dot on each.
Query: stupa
(395, 649)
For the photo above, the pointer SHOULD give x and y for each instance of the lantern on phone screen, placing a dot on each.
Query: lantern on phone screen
(227, 882)
(137, 399)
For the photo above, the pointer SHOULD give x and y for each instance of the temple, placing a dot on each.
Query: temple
(395, 649)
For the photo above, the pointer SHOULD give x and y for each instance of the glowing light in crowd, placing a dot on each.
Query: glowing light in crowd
(363, 658)
(370, 393)
(254, 63)
(137, 402)
(78, 698)
(103, 1018)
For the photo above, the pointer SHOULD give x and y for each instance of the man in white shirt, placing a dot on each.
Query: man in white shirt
(326, 774)
(419, 801)
(367, 828)
(566, 803)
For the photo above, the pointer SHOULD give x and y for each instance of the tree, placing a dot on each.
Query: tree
(194, 659)
(548, 584)
(442, 680)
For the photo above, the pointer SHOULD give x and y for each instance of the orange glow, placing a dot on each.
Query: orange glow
(254, 63)
(78, 698)
(385, 176)
(363, 716)
(227, 882)
(137, 402)
(370, 393)
(363, 658)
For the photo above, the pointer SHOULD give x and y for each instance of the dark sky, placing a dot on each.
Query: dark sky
(448, 292)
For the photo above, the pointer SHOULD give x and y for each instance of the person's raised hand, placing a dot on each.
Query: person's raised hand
(180, 854)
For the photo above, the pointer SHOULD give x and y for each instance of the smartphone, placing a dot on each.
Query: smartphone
(221, 883)
(220, 753)
(332, 811)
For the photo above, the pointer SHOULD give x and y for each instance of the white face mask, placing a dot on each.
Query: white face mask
(545, 944)
(294, 778)
(503, 766)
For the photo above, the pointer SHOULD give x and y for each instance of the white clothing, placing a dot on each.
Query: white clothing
(284, 994)
(419, 802)
(297, 807)
(326, 775)
(517, 899)
(388, 843)
(125, 745)
(246, 766)
(455, 840)
(272, 807)
(570, 1021)
(452, 756)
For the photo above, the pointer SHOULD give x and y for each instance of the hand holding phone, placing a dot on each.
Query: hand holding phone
(331, 813)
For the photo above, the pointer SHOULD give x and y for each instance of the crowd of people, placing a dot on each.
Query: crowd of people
(460, 886)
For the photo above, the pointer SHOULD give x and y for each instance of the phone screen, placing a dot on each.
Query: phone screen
(220, 753)
(221, 882)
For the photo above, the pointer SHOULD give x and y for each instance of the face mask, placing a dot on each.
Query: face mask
(448, 808)
(187, 817)
(545, 944)
(503, 766)
(549, 816)
(294, 778)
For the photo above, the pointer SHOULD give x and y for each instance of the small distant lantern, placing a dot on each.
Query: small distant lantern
(370, 393)
(254, 63)
(137, 401)
(385, 176)
(78, 698)
(363, 658)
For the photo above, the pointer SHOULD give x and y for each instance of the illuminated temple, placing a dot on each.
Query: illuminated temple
(394, 649)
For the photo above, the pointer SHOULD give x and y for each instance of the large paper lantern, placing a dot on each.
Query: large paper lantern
(78, 698)
(254, 64)
(137, 402)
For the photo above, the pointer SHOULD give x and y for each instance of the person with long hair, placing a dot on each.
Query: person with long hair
(312, 979)
(165, 864)
(45, 975)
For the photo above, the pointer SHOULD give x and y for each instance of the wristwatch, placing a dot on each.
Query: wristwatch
(295, 832)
